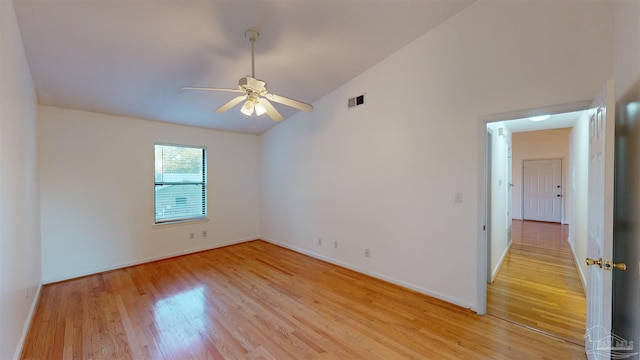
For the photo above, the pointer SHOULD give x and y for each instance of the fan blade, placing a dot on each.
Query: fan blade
(235, 101)
(271, 111)
(290, 102)
(210, 89)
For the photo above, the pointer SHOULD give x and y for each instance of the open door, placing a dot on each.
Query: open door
(600, 343)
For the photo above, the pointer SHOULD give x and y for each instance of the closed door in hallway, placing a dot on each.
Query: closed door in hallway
(542, 190)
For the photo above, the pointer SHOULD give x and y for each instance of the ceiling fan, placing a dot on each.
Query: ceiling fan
(255, 93)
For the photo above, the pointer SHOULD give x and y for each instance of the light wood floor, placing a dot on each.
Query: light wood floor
(258, 301)
(538, 284)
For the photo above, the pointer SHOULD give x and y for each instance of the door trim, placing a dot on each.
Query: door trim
(488, 176)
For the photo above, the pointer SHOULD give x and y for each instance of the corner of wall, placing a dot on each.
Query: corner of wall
(20, 258)
(28, 322)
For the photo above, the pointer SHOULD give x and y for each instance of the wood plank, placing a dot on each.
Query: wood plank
(538, 284)
(256, 300)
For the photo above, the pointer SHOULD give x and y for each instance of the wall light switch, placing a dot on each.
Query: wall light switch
(458, 198)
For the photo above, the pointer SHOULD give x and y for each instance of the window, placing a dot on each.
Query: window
(180, 183)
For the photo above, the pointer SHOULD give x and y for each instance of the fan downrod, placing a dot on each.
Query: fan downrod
(252, 35)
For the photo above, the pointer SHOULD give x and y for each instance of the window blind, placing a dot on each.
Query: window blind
(180, 183)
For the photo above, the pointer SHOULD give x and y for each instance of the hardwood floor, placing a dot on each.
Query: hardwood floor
(538, 284)
(259, 301)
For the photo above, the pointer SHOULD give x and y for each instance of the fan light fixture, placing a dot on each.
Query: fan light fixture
(260, 110)
(539, 118)
(247, 108)
(253, 104)
(254, 91)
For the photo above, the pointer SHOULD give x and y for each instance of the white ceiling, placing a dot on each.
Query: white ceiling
(556, 121)
(131, 58)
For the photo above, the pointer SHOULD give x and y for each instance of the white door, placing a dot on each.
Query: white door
(488, 182)
(508, 206)
(542, 190)
(600, 226)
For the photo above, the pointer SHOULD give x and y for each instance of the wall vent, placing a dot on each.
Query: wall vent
(355, 101)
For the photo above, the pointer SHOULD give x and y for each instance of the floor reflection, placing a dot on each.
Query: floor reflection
(181, 319)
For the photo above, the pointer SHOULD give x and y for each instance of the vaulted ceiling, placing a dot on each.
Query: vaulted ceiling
(131, 58)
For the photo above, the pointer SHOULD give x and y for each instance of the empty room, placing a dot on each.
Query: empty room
(302, 179)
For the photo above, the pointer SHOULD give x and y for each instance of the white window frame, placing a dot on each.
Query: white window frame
(203, 215)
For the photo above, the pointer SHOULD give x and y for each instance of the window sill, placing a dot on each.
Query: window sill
(180, 223)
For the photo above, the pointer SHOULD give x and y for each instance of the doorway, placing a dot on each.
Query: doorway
(532, 244)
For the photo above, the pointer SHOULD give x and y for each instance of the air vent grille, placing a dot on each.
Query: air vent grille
(355, 101)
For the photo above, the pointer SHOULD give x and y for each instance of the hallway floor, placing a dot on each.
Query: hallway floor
(538, 285)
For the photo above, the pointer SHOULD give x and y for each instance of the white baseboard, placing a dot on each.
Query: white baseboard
(376, 275)
(577, 263)
(149, 259)
(496, 270)
(27, 323)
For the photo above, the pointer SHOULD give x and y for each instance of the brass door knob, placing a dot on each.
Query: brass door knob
(598, 262)
(620, 266)
(608, 265)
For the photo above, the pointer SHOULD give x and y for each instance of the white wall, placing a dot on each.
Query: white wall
(20, 275)
(578, 192)
(538, 145)
(626, 297)
(499, 230)
(383, 176)
(97, 193)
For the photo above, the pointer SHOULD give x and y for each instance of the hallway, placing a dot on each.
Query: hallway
(538, 285)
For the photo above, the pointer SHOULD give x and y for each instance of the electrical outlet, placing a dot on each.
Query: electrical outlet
(335, 244)
(204, 233)
(367, 253)
(191, 235)
(319, 241)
